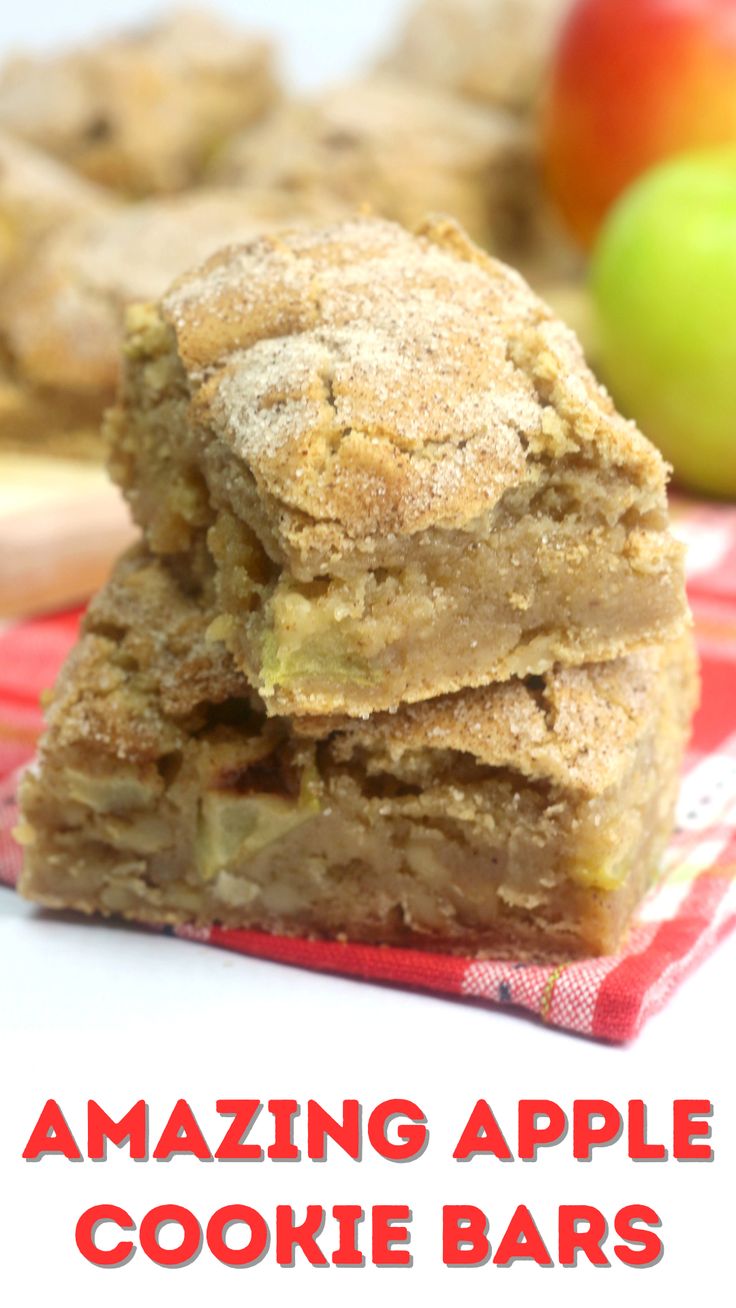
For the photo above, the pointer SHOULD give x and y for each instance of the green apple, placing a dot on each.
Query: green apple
(664, 286)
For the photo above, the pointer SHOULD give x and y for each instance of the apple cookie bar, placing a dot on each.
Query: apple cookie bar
(406, 476)
(496, 55)
(524, 819)
(399, 147)
(39, 196)
(142, 112)
(492, 51)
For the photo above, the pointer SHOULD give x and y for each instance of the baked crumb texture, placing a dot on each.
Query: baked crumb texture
(523, 819)
(144, 112)
(407, 479)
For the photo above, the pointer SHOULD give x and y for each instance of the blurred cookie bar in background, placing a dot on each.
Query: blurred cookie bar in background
(141, 112)
(61, 315)
(494, 51)
(37, 196)
(401, 148)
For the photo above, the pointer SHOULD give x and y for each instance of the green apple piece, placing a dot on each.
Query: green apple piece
(663, 279)
(234, 828)
(321, 658)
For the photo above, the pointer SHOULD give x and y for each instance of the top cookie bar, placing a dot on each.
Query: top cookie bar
(406, 475)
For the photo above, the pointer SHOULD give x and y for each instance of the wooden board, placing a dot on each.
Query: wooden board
(62, 524)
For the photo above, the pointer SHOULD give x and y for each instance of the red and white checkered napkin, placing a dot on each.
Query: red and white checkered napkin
(692, 908)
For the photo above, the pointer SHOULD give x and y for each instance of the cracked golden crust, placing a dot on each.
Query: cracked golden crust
(576, 727)
(145, 665)
(372, 381)
(141, 112)
(61, 315)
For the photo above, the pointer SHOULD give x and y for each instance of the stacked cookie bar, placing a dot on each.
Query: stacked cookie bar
(403, 653)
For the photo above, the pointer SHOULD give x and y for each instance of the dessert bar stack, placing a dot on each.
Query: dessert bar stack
(403, 653)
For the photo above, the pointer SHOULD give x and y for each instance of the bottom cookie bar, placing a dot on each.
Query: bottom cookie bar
(523, 819)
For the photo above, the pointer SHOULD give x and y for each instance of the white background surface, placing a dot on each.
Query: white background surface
(319, 38)
(104, 1012)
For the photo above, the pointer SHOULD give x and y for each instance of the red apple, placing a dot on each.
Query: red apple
(634, 81)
